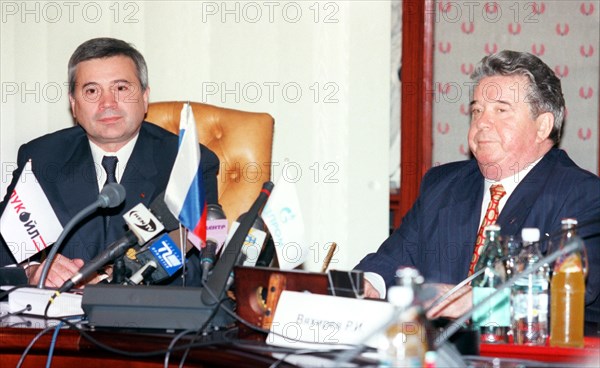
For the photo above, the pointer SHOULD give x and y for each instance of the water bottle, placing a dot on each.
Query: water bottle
(404, 342)
(493, 319)
(529, 294)
(512, 249)
(567, 291)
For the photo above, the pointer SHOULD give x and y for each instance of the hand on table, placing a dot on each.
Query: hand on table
(370, 291)
(455, 306)
(62, 269)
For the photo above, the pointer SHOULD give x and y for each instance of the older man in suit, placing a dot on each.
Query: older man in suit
(516, 119)
(108, 93)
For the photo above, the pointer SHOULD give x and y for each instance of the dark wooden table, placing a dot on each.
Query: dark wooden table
(74, 350)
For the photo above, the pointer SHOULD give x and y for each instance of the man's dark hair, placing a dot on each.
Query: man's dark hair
(98, 48)
(544, 90)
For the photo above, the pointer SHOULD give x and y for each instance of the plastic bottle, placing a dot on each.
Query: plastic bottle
(493, 319)
(529, 295)
(512, 249)
(567, 291)
(404, 343)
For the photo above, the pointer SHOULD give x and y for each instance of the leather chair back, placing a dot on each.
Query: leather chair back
(242, 141)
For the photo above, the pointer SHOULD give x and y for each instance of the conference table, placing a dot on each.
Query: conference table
(73, 350)
(77, 344)
(224, 348)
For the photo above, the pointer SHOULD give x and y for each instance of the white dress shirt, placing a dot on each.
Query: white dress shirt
(122, 155)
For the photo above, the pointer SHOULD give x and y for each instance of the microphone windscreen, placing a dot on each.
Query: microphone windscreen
(161, 211)
(112, 195)
(215, 212)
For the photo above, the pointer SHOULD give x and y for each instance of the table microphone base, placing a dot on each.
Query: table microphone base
(64, 305)
(150, 307)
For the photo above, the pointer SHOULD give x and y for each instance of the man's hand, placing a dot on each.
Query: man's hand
(370, 291)
(61, 270)
(455, 306)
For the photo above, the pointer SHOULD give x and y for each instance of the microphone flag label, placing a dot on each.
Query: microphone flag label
(216, 230)
(142, 223)
(168, 255)
(283, 218)
(185, 194)
(28, 223)
(252, 244)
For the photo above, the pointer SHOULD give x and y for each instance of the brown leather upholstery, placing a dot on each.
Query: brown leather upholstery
(242, 141)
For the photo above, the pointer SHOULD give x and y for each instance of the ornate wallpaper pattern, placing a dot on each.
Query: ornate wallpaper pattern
(563, 33)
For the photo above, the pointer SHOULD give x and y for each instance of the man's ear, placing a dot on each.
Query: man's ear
(72, 103)
(545, 123)
(146, 97)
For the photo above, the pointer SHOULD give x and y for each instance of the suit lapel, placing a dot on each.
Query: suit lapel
(519, 205)
(141, 172)
(457, 221)
(78, 187)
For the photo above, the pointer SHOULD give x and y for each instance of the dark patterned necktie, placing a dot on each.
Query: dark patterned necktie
(109, 163)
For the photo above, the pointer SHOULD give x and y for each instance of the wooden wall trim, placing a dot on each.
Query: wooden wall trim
(416, 99)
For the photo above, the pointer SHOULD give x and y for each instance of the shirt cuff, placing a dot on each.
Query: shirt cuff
(23, 265)
(377, 281)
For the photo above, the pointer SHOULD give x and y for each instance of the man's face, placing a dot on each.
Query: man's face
(108, 101)
(503, 135)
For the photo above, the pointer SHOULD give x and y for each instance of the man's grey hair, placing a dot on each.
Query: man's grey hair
(98, 48)
(544, 90)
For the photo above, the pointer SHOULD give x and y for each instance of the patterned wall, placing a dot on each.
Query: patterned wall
(564, 34)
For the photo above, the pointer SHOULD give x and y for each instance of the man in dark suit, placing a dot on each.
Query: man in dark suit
(516, 119)
(108, 93)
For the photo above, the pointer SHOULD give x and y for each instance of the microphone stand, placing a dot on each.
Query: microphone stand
(56, 246)
(111, 196)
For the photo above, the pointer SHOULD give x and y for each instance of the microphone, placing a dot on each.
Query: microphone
(266, 255)
(112, 195)
(216, 284)
(147, 261)
(159, 261)
(254, 242)
(143, 225)
(216, 226)
(216, 233)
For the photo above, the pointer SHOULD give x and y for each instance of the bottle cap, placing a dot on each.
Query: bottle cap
(400, 296)
(492, 227)
(569, 221)
(530, 234)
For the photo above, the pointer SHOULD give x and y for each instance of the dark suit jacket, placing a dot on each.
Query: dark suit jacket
(437, 235)
(63, 165)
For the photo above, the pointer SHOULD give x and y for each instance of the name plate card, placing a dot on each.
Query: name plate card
(313, 321)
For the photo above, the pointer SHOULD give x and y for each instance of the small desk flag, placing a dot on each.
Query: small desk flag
(28, 224)
(185, 196)
(283, 217)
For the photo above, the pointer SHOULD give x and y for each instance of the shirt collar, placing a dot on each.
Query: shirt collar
(510, 183)
(122, 155)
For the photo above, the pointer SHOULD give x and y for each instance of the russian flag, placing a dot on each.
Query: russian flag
(185, 195)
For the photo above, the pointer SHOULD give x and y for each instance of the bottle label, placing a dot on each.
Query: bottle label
(530, 302)
(496, 312)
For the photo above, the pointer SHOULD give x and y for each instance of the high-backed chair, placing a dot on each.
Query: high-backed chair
(242, 141)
